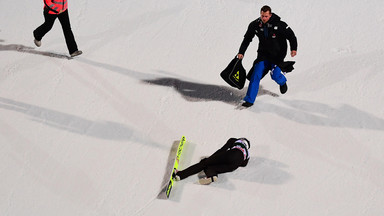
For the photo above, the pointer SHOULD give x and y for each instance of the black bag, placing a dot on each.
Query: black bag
(234, 74)
(286, 66)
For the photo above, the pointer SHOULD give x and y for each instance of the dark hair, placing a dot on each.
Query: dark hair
(266, 8)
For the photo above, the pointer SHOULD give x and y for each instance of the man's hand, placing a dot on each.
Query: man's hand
(240, 56)
(293, 53)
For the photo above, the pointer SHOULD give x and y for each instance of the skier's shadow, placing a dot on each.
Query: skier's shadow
(192, 91)
(259, 170)
(30, 50)
(265, 171)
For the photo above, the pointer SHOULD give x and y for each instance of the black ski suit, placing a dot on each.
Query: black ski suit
(226, 159)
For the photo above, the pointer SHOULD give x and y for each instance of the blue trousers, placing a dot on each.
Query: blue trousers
(260, 67)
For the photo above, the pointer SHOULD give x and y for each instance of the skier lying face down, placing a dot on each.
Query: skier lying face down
(227, 159)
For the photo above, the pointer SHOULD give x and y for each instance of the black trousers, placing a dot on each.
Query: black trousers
(65, 24)
(222, 162)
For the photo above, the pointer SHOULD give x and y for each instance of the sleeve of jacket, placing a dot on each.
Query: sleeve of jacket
(290, 35)
(248, 37)
(49, 5)
(226, 146)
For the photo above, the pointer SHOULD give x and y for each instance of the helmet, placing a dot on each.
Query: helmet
(246, 142)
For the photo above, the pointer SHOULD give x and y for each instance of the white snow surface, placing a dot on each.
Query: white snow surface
(94, 135)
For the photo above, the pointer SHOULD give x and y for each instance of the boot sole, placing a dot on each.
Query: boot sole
(207, 181)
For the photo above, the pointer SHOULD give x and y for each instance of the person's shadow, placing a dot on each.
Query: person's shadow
(259, 170)
(107, 130)
(192, 91)
(30, 50)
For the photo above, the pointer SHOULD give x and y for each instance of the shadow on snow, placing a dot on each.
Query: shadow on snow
(192, 91)
(30, 50)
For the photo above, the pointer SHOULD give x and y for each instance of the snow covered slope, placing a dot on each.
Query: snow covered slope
(93, 135)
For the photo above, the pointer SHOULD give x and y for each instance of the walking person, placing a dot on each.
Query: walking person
(232, 155)
(273, 35)
(57, 9)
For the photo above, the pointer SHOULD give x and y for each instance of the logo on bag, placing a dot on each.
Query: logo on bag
(237, 76)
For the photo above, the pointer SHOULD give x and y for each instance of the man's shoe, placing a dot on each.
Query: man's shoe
(283, 88)
(246, 104)
(76, 53)
(37, 43)
(207, 180)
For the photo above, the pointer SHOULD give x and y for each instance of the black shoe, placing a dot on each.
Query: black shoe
(283, 88)
(246, 104)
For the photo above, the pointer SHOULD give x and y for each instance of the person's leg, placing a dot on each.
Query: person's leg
(49, 20)
(68, 34)
(277, 75)
(253, 87)
(216, 159)
(279, 78)
(194, 169)
(215, 164)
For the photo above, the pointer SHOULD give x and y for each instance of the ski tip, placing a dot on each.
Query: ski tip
(169, 188)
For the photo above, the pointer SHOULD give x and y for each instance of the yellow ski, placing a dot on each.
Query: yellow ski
(176, 165)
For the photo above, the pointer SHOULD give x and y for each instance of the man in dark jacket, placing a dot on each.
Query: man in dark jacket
(273, 35)
(232, 155)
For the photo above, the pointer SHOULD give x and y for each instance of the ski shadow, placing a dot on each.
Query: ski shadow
(196, 92)
(31, 50)
(106, 130)
(177, 191)
(168, 171)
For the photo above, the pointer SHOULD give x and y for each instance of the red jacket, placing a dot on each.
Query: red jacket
(55, 6)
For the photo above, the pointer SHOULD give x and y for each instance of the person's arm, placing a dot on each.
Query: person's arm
(248, 37)
(290, 35)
